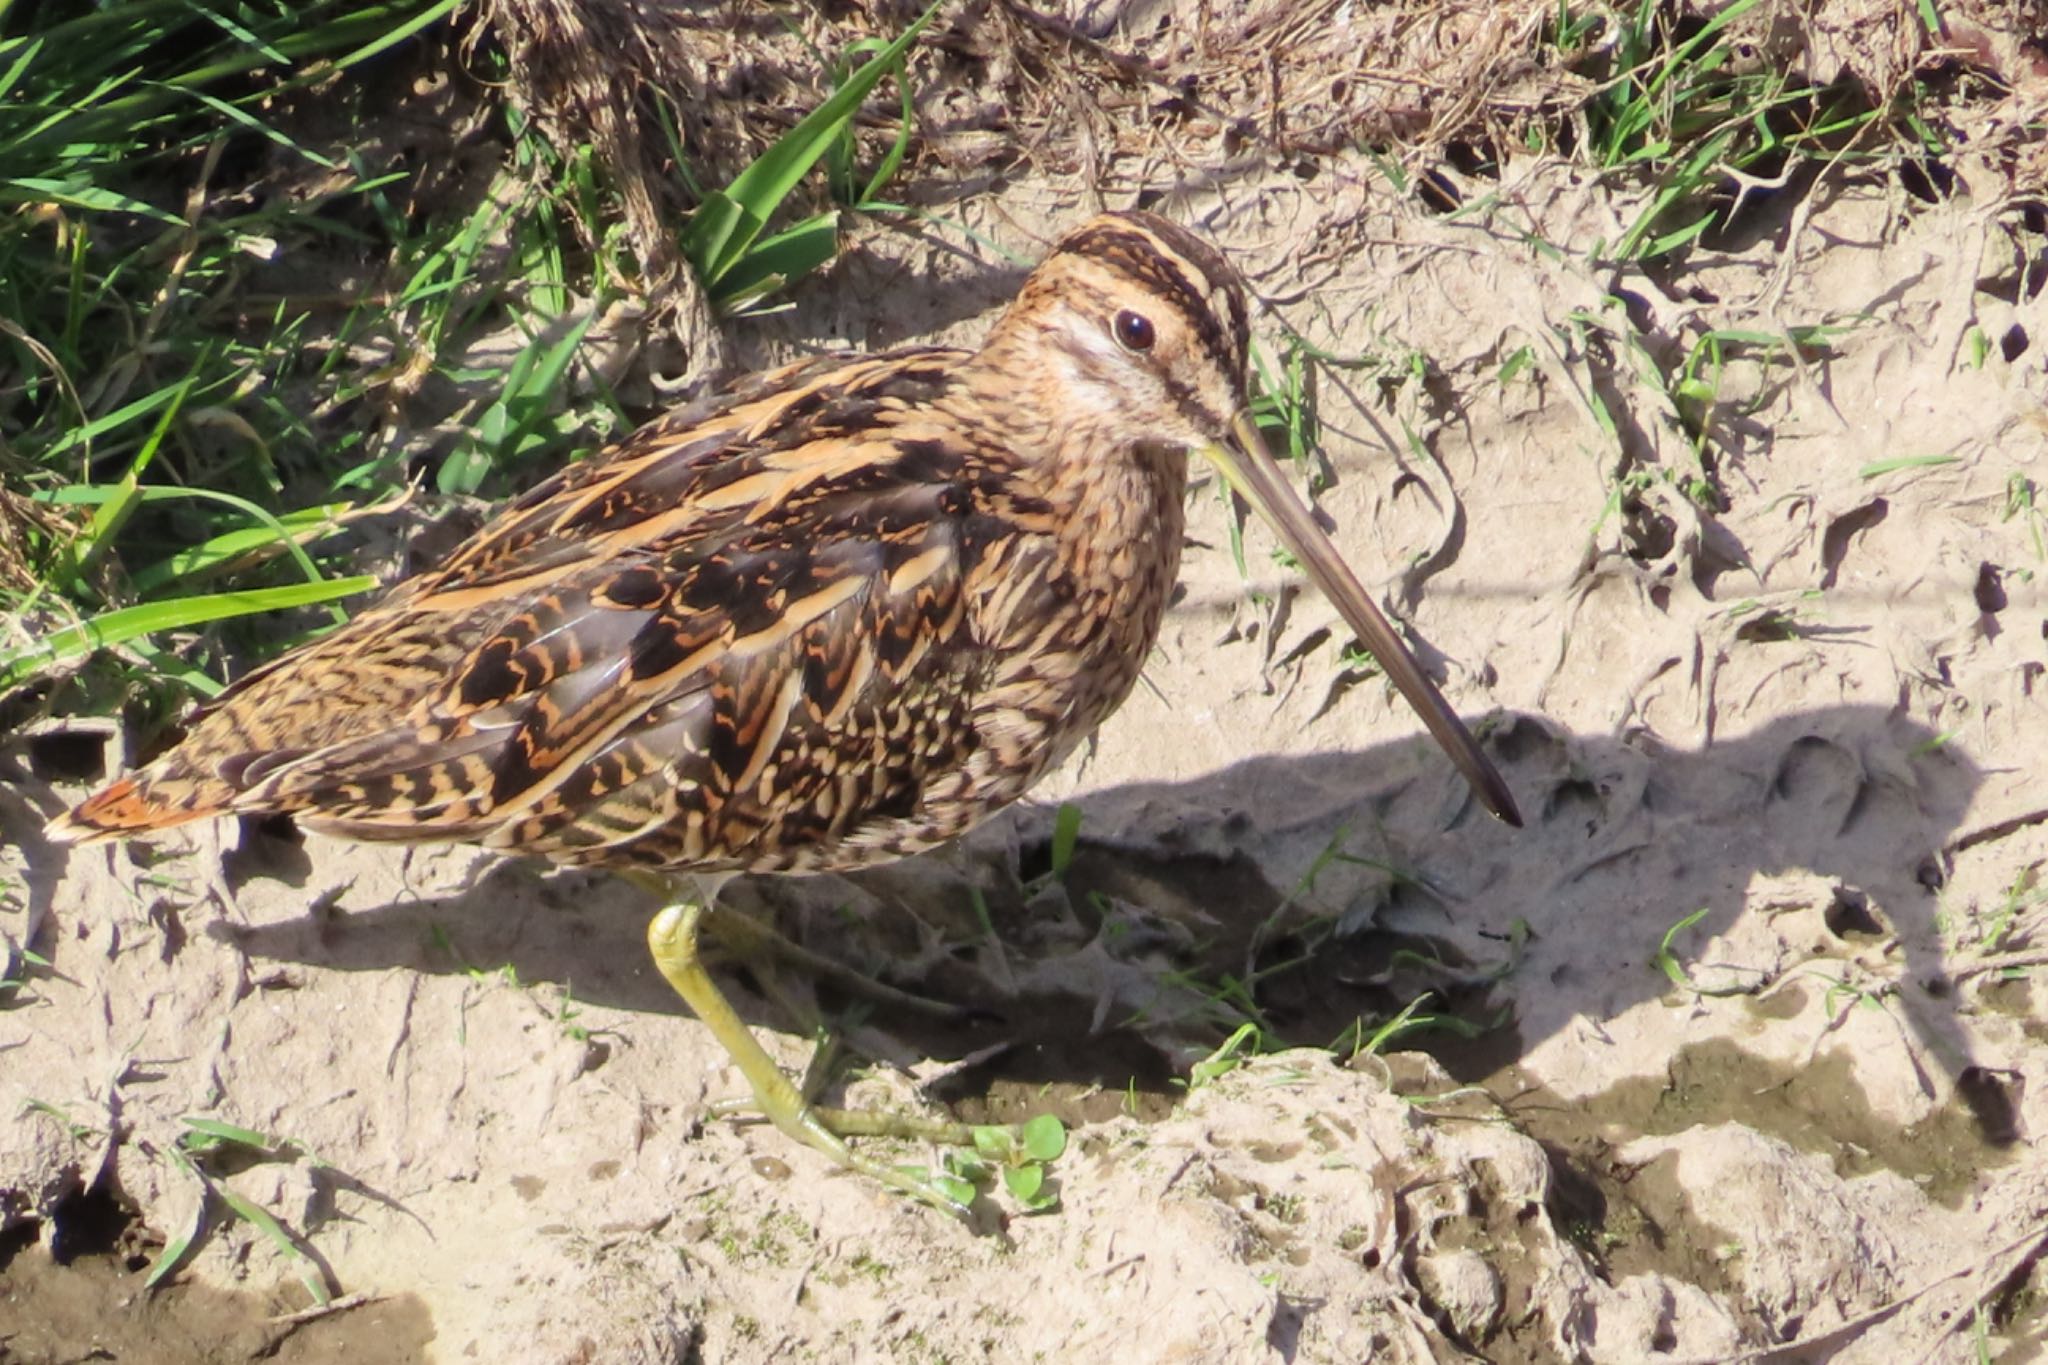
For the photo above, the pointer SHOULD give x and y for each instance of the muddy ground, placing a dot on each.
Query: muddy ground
(1750, 1056)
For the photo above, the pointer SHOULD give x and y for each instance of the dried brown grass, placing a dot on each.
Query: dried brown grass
(1002, 86)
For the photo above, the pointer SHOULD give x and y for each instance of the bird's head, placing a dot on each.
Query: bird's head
(1133, 324)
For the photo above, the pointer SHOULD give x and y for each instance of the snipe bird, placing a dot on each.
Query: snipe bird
(836, 615)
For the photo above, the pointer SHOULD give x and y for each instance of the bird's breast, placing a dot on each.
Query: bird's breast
(1069, 615)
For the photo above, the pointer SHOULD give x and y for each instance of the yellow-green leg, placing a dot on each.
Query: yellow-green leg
(672, 938)
(755, 941)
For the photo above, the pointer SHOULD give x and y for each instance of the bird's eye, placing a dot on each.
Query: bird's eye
(1133, 331)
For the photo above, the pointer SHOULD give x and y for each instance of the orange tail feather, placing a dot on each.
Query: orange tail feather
(116, 811)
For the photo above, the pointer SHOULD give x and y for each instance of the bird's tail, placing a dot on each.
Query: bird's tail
(140, 803)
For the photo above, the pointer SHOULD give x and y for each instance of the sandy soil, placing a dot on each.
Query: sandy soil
(1812, 712)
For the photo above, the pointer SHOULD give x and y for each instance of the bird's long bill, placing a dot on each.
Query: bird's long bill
(1251, 470)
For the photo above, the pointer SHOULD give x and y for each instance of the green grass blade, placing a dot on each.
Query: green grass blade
(774, 261)
(21, 65)
(260, 1218)
(215, 553)
(91, 431)
(892, 160)
(115, 627)
(718, 222)
(197, 681)
(1665, 959)
(255, 125)
(1066, 837)
(1880, 467)
(238, 32)
(36, 189)
(291, 530)
(218, 1130)
(391, 37)
(179, 1244)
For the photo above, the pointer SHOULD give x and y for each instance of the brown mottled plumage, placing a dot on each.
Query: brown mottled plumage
(839, 614)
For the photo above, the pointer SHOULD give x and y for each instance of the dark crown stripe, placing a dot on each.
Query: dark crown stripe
(1157, 254)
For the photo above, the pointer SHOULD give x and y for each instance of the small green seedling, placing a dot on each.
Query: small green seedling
(1979, 342)
(2023, 892)
(1841, 989)
(566, 1015)
(1235, 1051)
(1066, 837)
(2019, 502)
(1666, 961)
(14, 979)
(983, 916)
(507, 974)
(1022, 1156)
(1519, 359)
(73, 1129)
(1355, 1041)
(1879, 468)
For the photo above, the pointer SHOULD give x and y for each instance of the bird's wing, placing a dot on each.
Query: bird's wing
(741, 625)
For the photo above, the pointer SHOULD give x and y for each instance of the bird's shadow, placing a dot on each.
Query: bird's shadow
(1159, 929)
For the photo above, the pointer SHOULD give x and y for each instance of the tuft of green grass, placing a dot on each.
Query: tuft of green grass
(723, 240)
(162, 422)
(1284, 403)
(1678, 103)
(1358, 1041)
(142, 408)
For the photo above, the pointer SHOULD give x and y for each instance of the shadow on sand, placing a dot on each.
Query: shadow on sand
(1304, 886)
